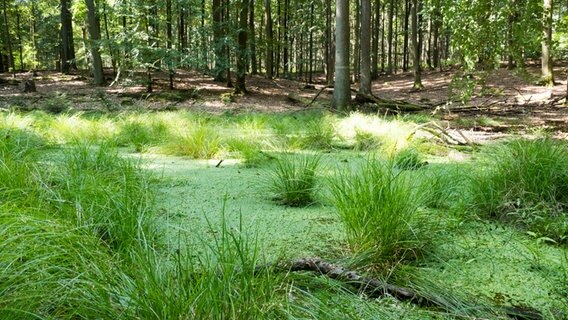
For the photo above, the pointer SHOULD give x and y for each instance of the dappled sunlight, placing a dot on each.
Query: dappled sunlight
(395, 135)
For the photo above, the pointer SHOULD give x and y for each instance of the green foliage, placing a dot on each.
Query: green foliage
(250, 151)
(51, 268)
(525, 181)
(226, 283)
(107, 194)
(365, 141)
(408, 159)
(56, 103)
(293, 179)
(378, 205)
(142, 132)
(200, 142)
(319, 134)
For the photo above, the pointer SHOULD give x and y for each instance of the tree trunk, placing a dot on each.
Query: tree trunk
(242, 52)
(390, 38)
(328, 44)
(436, 15)
(356, 44)
(547, 74)
(95, 37)
(20, 42)
(416, 47)
(405, 41)
(286, 44)
(269, 41)
(342, 90)
(169, 40)
(311, 45)
(218, 41)
(365, 84)
(107, 33)
(375, 50)
(8, 40)
(252, 40)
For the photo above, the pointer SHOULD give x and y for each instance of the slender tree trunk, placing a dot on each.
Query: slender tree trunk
(416, 47)
(252, 40)
(269, 40)
(95, 37)
(8, 40)
(107, 33)
(390, 38)
(375, 50)
(365, 84)
(356, 44)
(218, 41)
(242, 52)
(286, 44)
(20, 42)
(169, 40)
(405, 41)
(342, 90)
(328, 44)
(226, 29)
(547, 74)
(311, 45)
(436, 37)
(33, 37)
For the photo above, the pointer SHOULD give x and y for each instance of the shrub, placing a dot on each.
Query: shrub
(293, 179)
(525, 181)
(379, 208)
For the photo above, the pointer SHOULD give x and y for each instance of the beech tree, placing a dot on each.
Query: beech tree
(342, 89)
(547, 74)
(95, 37)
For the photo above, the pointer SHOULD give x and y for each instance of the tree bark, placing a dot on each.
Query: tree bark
(269, 40)
(311, 44)
(329, 64)
(8, 40)
(342, 90)
(375, 49)
(547, 74)
(390, 38)
(95, 37)
(242, 52)
(169, 40)
(252, 40)
(218, 41)
(365, 71)
(416, 47)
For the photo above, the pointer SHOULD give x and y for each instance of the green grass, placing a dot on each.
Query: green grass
(379, 207)
(83, 237)
(526, 182)
(293, 179)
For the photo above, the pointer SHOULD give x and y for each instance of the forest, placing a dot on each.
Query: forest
(283, 159)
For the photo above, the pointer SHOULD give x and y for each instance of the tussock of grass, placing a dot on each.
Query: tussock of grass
(106, 193)
(293, 179)
(200, 142)
(408, 159)
(379, 208)
(525, 181)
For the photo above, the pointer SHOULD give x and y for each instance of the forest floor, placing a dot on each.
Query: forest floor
(481, 102)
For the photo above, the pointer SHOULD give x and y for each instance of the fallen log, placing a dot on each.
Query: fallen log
(375, 288)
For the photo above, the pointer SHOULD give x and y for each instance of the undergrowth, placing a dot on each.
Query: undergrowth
(525, 182)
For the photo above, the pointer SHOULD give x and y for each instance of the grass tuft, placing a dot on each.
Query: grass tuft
(526, 182)
(293, 179)
(378, 205)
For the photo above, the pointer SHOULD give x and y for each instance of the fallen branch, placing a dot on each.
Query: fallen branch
(375, 288)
